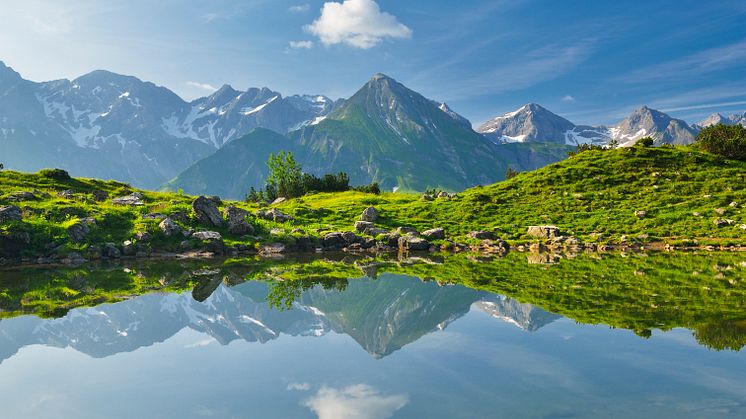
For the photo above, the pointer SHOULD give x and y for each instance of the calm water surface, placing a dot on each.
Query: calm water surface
(391, 347)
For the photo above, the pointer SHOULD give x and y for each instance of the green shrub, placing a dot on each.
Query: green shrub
(645, 142)
(56, 174)
(725, 140)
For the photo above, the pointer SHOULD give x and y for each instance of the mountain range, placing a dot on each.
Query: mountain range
(113, 126)
(384, 133)
(382, 316)
(533, 123)
(108, 125)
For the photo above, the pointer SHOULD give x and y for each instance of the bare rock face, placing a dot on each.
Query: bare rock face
(207, 212)
(236, 219)
(10, 213)
(544, 232)
(370, 214)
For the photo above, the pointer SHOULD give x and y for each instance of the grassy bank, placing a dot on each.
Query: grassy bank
(675, 195)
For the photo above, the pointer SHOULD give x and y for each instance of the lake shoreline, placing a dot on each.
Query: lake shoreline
(542, 253)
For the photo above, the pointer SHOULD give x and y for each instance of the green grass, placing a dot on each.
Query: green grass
(594, 193)
(592, 196)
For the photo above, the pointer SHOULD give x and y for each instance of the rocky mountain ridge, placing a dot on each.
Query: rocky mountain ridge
(533, 123)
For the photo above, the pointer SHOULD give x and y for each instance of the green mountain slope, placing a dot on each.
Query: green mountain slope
(231, 170)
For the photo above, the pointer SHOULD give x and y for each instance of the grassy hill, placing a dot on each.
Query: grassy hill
(593, 196)
(594, 193)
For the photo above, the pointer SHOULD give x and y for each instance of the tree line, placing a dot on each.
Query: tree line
(286, 179)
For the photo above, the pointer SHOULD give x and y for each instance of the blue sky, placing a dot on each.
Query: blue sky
(590, 61)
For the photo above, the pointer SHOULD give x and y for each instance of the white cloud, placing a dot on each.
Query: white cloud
(358, 401)
(203, 86)
(357, 23)
(704, 106)
(301, 44)
(299, 387)
(568, 98)
(300, 8)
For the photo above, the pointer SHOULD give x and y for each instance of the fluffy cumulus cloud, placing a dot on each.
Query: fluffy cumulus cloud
(568, 98)
(357, 23)
(301, 44)
(359, 401)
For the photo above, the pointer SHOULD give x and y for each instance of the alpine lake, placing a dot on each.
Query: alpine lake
(640, 335)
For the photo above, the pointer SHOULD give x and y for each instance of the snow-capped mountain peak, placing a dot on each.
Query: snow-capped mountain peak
(534, 123)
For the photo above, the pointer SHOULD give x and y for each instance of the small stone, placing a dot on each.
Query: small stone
(99, 195)
(236, 219)
(111, 251)
(207, 212)
(482, 235)
(169, 227)
(361, 226)
(641, 214)
(132, 200)
(143, 236)
(434, 234)
(272, 249)
(547, 232)
(128, 248)
(408, 243)
(375, 231)
(411, 231)
(10, 213)
(78, 232)
(733, 204)
(279, 200)
(720, 211)
(369, 214)
(207, 235)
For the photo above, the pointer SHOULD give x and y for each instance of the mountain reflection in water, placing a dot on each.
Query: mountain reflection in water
(382, 315)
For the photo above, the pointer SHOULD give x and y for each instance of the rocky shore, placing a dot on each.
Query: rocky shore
(206, 240)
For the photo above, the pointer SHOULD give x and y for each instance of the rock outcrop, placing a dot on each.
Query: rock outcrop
(207, 212)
